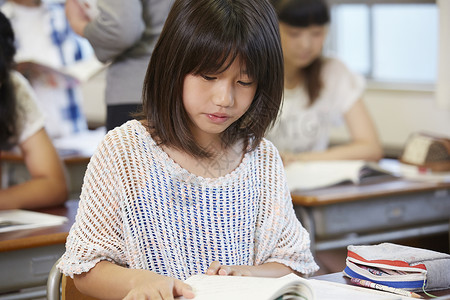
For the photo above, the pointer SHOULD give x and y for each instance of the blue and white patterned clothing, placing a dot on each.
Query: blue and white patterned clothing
(142, 210)
(43, 35)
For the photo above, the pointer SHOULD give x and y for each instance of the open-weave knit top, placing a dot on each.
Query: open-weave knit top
(142, 210)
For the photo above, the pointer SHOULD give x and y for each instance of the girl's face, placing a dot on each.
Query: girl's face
(301, 45)
(214, 101)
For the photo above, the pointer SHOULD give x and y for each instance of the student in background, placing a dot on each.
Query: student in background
(124, 34)
(43, 35)
(193, 187)
(22, 124)
(318, 92)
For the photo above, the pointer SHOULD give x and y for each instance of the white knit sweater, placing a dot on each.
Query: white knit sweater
(142, 210)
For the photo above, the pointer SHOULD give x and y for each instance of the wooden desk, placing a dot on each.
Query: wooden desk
(340, 278)
(26, 256)
(379, 210)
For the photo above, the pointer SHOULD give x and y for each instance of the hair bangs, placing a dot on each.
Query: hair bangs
(220, 57)
(215, 50)
(303, 13)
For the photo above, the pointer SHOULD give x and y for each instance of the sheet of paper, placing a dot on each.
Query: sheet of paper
(327, 290)
(317, 174)
(206, 287)
(18, 219)
(243, 288)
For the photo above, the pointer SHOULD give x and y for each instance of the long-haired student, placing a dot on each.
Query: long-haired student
(193, 187)
(22, 125)
(319, 92)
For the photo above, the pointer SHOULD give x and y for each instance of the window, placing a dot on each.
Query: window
(387, 41)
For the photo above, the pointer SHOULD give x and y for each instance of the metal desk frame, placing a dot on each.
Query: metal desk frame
(26, 256)
(377, 211)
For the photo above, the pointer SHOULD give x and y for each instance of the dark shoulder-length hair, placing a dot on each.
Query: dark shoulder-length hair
(206, 36)
(8, 112)
(304, 13)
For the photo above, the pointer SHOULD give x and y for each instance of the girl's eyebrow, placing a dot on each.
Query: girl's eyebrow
(244, 71)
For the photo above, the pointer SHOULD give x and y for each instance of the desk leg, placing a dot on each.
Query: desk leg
(305, 216)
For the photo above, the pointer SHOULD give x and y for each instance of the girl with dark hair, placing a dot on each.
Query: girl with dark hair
(318, 91)
(193, 187)
(22, 124)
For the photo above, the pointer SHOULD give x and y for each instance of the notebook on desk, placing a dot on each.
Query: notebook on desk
(18, 219)
(319, 174)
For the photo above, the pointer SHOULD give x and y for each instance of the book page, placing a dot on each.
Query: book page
(207, 287)
(18, 219)
(414, 172)
(78, 72)
(85, 69)
(246, 288)
(327, 290)
(317, 174)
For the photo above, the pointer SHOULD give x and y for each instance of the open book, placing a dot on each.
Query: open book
(207, 287)
(318, 174)
(17, 219)
(75, 73)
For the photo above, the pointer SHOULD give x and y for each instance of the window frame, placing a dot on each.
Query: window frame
(373, 83)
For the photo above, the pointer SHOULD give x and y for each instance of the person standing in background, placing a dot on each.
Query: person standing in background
(123, 33)
(318, 92)
(44, 36)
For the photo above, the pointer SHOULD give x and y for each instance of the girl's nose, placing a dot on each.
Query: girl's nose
(223, 95)
(304, 42)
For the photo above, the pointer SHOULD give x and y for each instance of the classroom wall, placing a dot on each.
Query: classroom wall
(397, 114)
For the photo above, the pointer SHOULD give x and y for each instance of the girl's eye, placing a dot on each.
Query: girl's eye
(206, 77)
(316, 33)
(244, 83)
(294, 33)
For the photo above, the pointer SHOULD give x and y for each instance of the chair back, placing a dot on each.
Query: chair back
(70, 291)
(54, 283)
(60, 286)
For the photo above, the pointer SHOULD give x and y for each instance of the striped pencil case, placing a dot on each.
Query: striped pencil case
(398, 266)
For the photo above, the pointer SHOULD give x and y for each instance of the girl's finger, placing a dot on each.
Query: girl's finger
(183, 289)
(165, 294)
(224, 270)
(213, 268)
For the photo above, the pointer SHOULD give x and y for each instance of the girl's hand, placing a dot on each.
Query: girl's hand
(149, 285)
(289, 158)
(217, 269)
(76, 16)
